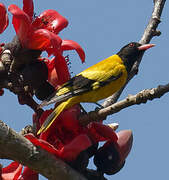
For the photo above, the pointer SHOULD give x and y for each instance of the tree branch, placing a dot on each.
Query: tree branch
(142, 97)
(23, 151)
(148, 34)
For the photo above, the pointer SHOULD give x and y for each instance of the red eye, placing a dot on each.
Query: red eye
(131, 45)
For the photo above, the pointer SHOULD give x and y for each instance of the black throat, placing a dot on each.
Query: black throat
(128, 61)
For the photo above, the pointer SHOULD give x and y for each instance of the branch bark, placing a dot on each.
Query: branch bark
(16, 147)
(149, 33)
(142, 97)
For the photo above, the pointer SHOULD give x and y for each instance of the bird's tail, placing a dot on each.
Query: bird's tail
(50, 119)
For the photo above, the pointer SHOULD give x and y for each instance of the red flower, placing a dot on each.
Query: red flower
(67, 137)
(68, 152)
(3, 18)
(40, 33)
(57, 66)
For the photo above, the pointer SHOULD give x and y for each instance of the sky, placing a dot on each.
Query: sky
(102, 28)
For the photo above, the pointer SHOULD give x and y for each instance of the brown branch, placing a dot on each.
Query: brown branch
(148, 34)
(141, 97)
(16, 147)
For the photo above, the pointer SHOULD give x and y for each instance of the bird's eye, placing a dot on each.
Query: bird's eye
(131, 45)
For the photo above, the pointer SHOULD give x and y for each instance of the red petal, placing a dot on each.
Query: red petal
(72, 45)
(68, 152)
(21, 22)
(61, 69)
(72, 150)
(57, 76)
(29, 174)
(50, 20)
(3, 18)
(52, 74)
(43, 117)
(70, 118)
(53, 78)
(42, 39)
(50, 51)
(12, 171)
(43, 144)
(28, 8)
(102, 132)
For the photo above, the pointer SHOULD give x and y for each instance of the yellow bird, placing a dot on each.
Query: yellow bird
(96, 82)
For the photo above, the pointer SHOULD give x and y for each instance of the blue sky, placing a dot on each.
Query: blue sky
(102, 28)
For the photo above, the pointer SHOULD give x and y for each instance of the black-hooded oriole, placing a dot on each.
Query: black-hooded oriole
(96, 82)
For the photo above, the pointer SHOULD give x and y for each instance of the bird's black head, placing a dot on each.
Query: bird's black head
(130, 53)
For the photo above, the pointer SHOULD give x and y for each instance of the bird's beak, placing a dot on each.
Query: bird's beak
(145, 47)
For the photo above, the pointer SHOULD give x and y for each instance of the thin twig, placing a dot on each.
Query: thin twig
(141, 97)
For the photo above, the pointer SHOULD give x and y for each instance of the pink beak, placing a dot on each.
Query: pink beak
(145, 47)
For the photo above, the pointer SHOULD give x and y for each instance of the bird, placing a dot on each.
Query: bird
(94, 83)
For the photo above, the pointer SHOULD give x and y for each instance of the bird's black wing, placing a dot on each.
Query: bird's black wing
(77, 85)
